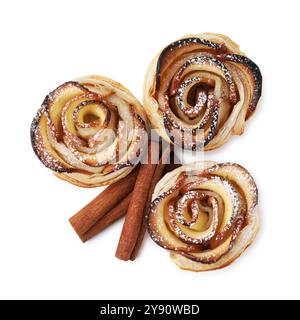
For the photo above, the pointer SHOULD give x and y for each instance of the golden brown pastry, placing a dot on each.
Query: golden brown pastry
(205, 214)
(200, 90)
(89, 131)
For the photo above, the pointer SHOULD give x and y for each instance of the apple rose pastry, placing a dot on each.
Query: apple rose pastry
(205, 214)
(200, 90)
(90, 131)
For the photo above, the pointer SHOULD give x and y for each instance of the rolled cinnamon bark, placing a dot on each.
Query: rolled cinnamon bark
(158, 173)
(108, 219)
(89, 215)
(135, 214)
(105, 212)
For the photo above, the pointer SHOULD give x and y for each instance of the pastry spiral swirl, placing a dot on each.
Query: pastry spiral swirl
(205, 214)
(200, 90)
(90, 131)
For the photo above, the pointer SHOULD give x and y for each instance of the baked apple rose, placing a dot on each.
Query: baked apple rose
(205, 214)
(200, 90)
(90, 131)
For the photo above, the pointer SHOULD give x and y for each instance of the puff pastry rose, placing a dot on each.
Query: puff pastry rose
(205, 214)
(200, 90)
(89, 131)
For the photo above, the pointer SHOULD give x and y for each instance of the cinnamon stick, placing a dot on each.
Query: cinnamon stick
(161, 169)
(109, 218)
(156, 177)
(89, 215)
(133, 223)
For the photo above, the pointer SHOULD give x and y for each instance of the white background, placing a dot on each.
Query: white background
(44, 44)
